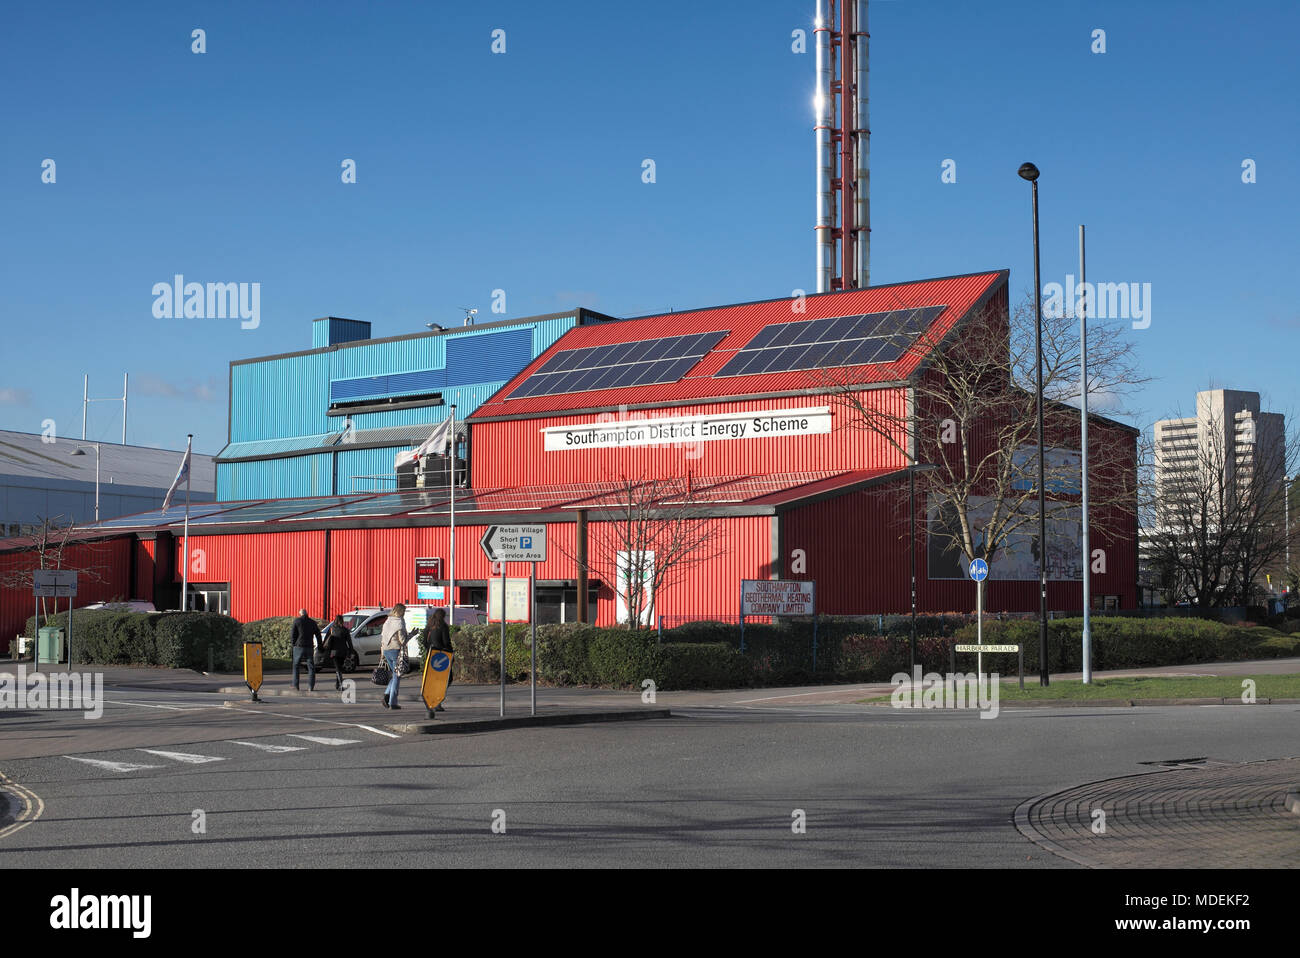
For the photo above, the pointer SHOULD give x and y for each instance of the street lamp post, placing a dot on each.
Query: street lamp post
(1029, 172)
(79, 451)
(912, 470)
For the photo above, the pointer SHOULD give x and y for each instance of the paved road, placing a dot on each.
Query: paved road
(300, 782)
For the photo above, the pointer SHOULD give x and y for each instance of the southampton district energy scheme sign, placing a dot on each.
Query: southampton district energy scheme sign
(662, 430)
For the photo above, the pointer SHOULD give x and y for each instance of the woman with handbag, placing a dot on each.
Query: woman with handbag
(392, 644)
(338, 644)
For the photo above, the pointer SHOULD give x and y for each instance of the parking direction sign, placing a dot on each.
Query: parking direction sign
(514, 543)
(979, 570)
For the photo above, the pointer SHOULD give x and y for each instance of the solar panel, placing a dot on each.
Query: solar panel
(829, 343)
(157, 518)
(384, 504)
(616, 365)
(273, 509)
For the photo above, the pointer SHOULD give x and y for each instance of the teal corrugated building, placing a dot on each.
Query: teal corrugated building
(332, 419)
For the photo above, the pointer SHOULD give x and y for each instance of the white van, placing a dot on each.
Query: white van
(367, 624)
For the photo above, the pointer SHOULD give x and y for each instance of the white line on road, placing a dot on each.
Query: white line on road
(323, 740)
(269, 748)
(797, 695)
(111, 766)
(307, 718)
(188, 758)
(170, 708)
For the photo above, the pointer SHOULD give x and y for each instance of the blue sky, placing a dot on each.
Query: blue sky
(522, 171)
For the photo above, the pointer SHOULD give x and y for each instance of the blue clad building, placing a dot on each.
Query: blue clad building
(331, 419)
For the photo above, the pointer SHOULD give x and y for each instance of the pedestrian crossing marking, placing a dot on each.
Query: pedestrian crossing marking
(111, 766)
(323, 740)
(187, 757)
(269, 748)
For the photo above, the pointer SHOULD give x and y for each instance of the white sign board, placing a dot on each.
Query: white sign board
(634, 430)
(515, 543)
(777, 597)
(59, 583)
(517, 596)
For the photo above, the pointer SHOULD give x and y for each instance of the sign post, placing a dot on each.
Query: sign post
(532, 639)
(516, 544)
(53, 583)
(979, 571)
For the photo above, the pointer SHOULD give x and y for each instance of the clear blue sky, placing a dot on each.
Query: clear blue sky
(522, 172)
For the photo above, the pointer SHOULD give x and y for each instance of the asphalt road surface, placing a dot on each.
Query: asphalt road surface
(311, 783)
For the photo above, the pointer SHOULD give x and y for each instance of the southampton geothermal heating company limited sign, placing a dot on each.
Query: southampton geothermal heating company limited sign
(634, 431)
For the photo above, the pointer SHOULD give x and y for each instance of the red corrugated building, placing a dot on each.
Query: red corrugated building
(741, 412)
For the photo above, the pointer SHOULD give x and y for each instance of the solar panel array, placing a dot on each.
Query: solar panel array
(384, 504)
(175, 514)
(273, 509)
(618, 364)
(829, 343)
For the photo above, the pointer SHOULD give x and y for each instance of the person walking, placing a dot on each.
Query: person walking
(437, 638)
(338, 642)
(305, 634)
(393, 639)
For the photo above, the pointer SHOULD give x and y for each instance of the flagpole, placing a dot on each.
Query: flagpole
(185, 546)
(451, 565)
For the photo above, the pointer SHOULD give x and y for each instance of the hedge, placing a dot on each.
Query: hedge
(177, 640)
(275, 634)
(1124, 643)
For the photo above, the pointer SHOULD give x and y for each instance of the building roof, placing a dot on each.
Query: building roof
(713, 495)
(738, 326)
(28, 455)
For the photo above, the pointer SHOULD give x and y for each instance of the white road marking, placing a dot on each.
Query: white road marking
(308, 718)
(187, 757)
(269, 748)
(797, 695)
(111, 766)
(323, 740)
(170, 708)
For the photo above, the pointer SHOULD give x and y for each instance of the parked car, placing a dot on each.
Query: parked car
(367, 624)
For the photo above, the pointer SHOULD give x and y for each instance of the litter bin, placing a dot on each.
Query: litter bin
(49, 647)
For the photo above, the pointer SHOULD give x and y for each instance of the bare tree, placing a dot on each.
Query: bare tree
(1217, 514)
(48, 550)
(973, 417)
(644, 535)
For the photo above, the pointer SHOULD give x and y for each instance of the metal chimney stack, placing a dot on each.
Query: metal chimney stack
(842, 137)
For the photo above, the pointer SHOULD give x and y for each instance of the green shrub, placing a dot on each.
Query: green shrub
(184, 638)
(275, 634)
(699, 665)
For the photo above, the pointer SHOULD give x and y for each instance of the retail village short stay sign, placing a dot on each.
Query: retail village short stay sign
(634, 431)
(515, 543)
(777, 597)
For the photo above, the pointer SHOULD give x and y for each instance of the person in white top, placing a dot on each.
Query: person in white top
(393, 639)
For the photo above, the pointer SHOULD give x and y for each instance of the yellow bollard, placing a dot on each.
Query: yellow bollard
(434, 679)
(253, 667)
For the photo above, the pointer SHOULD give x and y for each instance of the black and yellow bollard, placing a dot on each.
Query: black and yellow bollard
(253, 667)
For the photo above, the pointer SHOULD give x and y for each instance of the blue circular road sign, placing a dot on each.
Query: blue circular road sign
(439, 662)
(979, 570)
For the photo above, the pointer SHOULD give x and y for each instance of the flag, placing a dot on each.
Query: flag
(437, 444)
(181, 475)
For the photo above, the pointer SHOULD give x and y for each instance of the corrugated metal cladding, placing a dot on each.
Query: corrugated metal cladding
(110, 558)
(330, 331)
(857, 552)
(277, 478)
(958, 293)
(492, 356)
(355, 463)
(510, 452)
(274, 573)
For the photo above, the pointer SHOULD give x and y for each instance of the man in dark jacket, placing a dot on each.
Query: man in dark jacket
(305, 634)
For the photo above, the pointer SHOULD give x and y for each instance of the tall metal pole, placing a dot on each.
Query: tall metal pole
(911, 489)
(85, 401)
(451, 547)
(185, 547)
(532, 630)
(1043, 675)
(96, 482)
(1083, 443)
(822, 136)
(503, 639)
(124, 381)
(862, 152)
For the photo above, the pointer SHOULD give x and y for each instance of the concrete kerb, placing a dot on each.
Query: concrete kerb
(1125, 703)
(437, 727)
